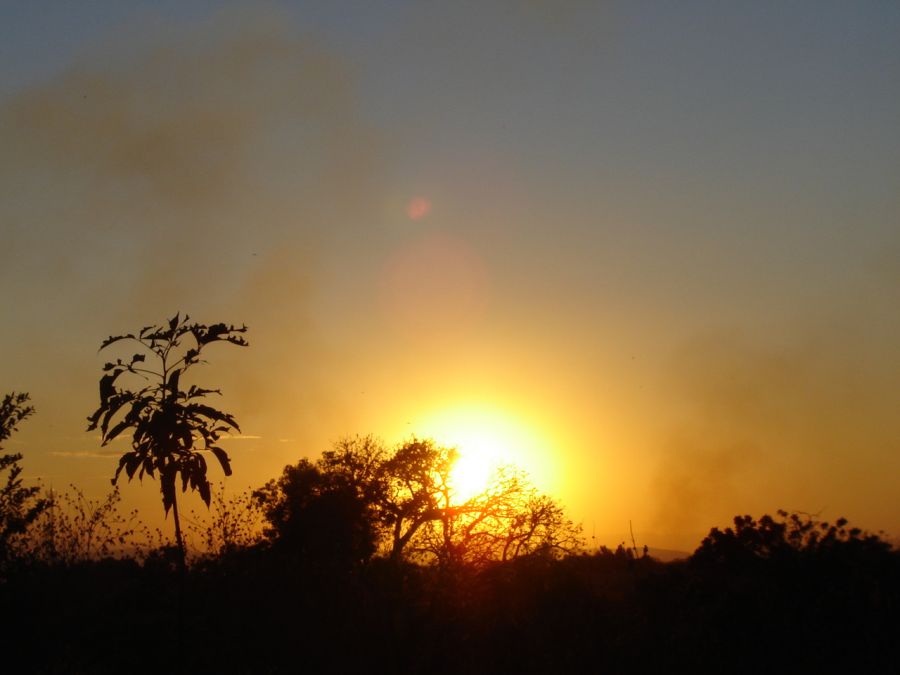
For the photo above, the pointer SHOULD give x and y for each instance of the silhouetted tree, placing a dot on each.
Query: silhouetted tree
(19, 505)
(417, 490)
(171, 427)
(509, 519)
(319, 516)
(359, 497)
(783, 537)
(357, 462)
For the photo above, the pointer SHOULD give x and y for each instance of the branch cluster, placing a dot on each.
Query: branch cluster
(363, 498)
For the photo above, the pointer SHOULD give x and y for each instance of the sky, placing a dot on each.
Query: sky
(650, 249)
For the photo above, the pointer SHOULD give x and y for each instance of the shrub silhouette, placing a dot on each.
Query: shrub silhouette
(318, 517)
(75, 529)
(783, 537)
(20, 506)
(229, 525)
(370, 564)
(360, 498)
(829, 588)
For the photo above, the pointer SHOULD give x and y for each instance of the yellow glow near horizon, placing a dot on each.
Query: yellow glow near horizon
(479, 459)
(487, 438)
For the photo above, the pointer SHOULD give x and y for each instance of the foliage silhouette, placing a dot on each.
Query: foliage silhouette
(360, 498)
(815, 610)
(495, 583)
(230, 524)
(20, 506)
(784, 537)
(510, 518)
(326, 512)
(171, 426)
(75, 529)
(418, 490)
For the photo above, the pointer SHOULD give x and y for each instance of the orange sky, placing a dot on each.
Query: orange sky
(654, 251)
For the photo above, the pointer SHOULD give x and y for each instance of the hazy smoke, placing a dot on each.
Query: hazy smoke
(227, 169)
(206, 169)
(170, 163)
(803, 425)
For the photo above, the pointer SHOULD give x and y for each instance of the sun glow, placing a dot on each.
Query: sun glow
(479, 459)
(486, 439)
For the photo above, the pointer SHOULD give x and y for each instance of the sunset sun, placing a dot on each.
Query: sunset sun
(488, 438)
(450, 337)
(479, 459)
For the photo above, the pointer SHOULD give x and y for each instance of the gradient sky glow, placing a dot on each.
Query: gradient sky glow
(658, 244)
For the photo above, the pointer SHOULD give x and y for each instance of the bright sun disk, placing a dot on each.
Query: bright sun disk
(487, 439)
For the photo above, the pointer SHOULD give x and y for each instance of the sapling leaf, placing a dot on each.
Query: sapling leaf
(165, 426)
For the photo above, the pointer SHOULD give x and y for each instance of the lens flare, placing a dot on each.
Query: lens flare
(418, 208)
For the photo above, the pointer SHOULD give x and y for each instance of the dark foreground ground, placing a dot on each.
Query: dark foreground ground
(260, 612)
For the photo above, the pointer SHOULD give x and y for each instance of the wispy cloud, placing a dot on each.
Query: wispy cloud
(85, 454)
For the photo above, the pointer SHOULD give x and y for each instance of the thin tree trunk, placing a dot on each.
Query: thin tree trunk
(182, 573)
(179, 540)
(397, 546)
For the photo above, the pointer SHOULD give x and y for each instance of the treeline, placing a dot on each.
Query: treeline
(359, 500)
(733, 608)
(365, 564)
(365, 560)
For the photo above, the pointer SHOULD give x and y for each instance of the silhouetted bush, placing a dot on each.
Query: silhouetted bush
(20, 505)
(778, 593)
(359, 499)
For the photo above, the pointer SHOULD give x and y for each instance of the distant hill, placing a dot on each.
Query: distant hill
(667, 554)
